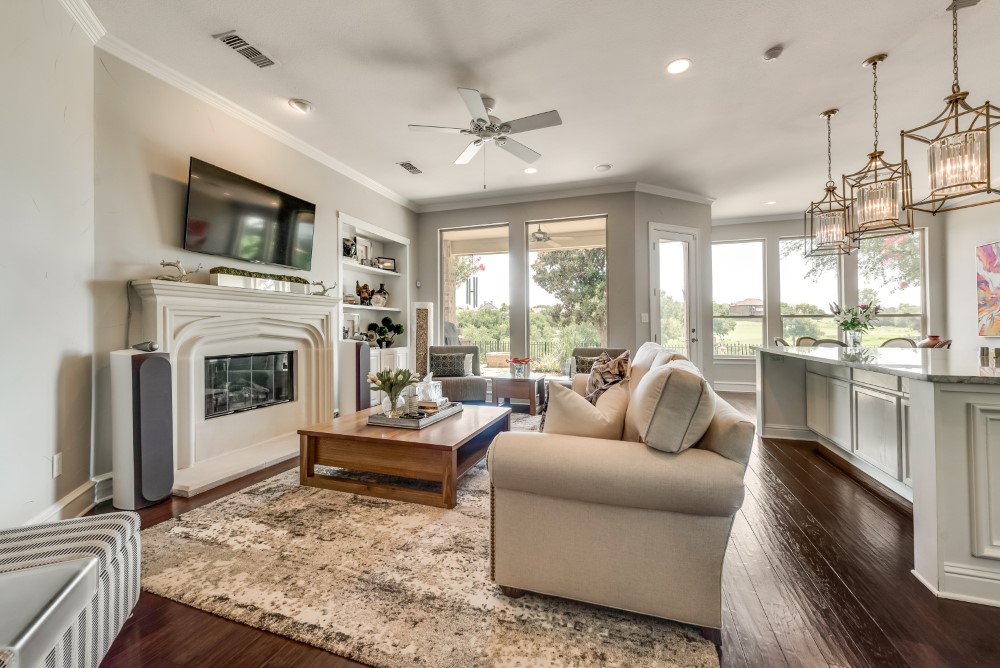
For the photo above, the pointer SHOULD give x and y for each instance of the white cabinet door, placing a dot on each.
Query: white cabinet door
(376, 366)
(817, 404)
(877, 429)
(839, 413)
(402, 359)
(388, 358)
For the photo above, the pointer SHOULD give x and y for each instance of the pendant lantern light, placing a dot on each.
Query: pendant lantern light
(826, 221)
(876, 189)
(957, 143)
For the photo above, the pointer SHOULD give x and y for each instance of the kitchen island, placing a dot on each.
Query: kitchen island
(923, 422)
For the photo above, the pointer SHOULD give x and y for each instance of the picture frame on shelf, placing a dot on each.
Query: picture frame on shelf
(364, 249)
(387, 263)
(352, 324)
(350, 248)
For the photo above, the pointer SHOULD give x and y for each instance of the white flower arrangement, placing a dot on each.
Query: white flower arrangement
(860, 318)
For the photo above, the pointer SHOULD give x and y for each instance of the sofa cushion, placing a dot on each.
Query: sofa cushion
(649, 356)
(570, 414)
(450, 365)
(603, 375)
(670, 408)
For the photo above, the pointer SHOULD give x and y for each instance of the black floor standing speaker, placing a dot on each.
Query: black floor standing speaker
(142, 428)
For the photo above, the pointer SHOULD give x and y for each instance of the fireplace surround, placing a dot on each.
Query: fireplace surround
(197, 322)
(237, 383)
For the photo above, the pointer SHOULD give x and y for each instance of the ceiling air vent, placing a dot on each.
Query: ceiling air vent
(245, 49)
(410, 167)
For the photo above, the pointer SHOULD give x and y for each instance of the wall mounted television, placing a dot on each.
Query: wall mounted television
(232, 216)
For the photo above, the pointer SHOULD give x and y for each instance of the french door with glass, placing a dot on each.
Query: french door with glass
(673, 275)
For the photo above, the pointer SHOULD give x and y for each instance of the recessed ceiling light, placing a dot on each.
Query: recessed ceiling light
(678, 66)
(603, 168)
(300, 105)
(771, 203)
(530, 170)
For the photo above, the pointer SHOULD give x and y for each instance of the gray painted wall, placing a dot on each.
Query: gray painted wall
(629, 215)
(146, 132)
(47, 189)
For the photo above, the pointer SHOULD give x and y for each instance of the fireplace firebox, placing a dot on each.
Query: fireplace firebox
(235, 383)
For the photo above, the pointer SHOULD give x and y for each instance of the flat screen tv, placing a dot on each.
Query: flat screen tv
(232, 216)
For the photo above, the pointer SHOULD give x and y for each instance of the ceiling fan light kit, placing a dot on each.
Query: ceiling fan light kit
(876, 189)
(826, 221)
(957, 145)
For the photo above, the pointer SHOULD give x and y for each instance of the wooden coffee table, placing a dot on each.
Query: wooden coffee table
(519, 388)
(442, 452)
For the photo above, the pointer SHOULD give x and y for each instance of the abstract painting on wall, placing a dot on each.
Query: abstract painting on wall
(988, 288)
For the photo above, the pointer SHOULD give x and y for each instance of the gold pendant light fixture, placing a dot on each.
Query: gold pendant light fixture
(826, 221)
(877, 188)
(957, 143)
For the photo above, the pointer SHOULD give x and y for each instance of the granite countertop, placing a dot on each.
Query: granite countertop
(936, 365)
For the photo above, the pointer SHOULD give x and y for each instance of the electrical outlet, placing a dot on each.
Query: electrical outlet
(57, 465)
(643, 317)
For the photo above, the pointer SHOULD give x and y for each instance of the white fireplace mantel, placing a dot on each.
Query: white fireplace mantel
(192, 321)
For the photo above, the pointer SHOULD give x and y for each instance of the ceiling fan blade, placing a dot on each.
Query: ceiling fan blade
(520, 150)
(469, 153)
(474, 101)
(536, 122)
(434, 128)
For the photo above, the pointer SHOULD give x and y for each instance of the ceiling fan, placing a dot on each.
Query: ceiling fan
(485, 128)
(540, 236)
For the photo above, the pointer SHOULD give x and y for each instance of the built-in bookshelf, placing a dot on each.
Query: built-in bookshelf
(380, 243)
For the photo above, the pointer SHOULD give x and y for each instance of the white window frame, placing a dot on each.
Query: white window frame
(762, 317)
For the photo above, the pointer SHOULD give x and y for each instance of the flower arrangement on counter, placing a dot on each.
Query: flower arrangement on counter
(860, 318)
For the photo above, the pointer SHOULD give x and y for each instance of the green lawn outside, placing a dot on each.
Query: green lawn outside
(748, 333)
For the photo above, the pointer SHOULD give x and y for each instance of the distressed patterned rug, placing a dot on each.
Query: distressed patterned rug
(388, 583)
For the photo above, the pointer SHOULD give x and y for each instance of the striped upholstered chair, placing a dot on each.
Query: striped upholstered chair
(66, 589)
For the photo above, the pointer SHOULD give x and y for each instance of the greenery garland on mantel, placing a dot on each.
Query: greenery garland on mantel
(257, 274)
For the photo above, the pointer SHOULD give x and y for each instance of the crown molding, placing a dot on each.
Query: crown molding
(770, 218)
(582, 189)
(120, 49)
(673, 193)
(86, 19)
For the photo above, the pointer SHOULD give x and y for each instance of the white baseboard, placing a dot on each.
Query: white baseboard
(75, 504)
(787, 432)
(730, 386)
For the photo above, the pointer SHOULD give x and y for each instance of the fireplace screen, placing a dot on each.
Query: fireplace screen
(236, 383)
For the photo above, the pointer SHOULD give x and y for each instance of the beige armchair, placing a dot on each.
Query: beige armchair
(462, 388)
(618, 523)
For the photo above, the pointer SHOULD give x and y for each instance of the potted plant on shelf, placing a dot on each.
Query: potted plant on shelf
(520, 367)
(392, 382)
(856, 320)
(386, 332)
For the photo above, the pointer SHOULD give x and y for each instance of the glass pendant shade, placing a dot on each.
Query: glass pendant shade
(827, 221)
(957, 163)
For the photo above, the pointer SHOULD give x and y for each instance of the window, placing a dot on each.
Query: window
(475, 289)
(737, 298)
(807, 287)
(890, 273)
(567, 289)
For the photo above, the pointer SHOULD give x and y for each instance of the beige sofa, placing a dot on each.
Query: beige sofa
(618, 523)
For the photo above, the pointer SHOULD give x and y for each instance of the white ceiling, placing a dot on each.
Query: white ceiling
(733, 127)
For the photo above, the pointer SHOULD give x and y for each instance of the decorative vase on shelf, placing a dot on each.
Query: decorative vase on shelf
(853, 338)
(381, 296)
(930, 342)
(393, 406)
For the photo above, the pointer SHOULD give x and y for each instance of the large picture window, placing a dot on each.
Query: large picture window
(475, 289)
(567, 289)
(807, 287)
(737, 298)
(891, 273)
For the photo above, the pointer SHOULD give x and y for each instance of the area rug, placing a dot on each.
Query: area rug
(388, 583)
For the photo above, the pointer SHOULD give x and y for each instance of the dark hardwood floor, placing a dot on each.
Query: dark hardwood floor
(817, 574)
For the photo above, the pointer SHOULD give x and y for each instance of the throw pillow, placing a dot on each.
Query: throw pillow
(585, 364)
(450, 365)
(603, 375)
(671, 407)
(570, 414)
